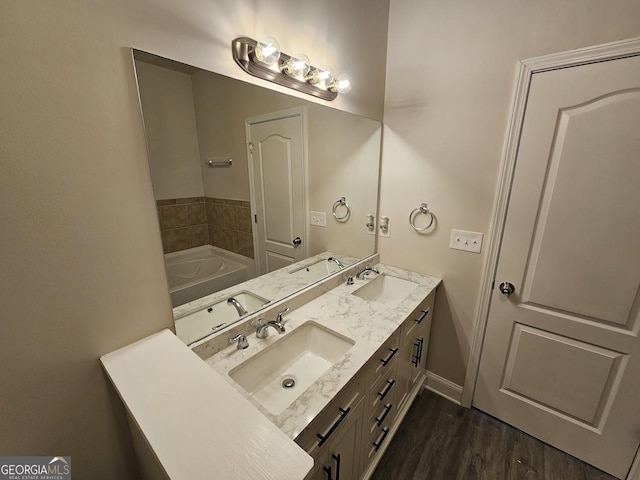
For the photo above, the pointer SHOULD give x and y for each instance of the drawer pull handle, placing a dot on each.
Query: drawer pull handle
(337, 459)
(387, 409)
(325, 437)
(378, 444)
(424, 314)
(328, 471)
(385, 361)
(418, 356)
(390, 384)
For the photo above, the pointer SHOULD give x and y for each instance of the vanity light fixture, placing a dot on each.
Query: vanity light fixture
(342, 84)
(321, 76)
(263, 59)
(267, 51)
(298, 65)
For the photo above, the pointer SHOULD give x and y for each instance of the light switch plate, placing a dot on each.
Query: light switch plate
(467, 241)
(319, 219)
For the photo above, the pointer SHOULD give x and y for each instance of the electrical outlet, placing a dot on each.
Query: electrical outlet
(371, 224)
(467, 241)
(385, 227)
(319, 219)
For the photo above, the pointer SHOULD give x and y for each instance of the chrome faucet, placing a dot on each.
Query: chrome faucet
(336, 261)
(366, 271)
(242, 341)
(263, 328)
(239, 308)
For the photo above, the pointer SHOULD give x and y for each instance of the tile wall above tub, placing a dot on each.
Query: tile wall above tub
(195, 221)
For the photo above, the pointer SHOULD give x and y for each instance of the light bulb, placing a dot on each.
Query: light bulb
(321, 76)
(267, 51)
(342, 84)
(297, 65)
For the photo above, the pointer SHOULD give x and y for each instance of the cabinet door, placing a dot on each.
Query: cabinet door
(405, 373)
(417, 346)
(412, 363)
(341, 459)
(412, 360)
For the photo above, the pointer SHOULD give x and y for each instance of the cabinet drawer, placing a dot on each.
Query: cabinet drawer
(384, 359)
(333, 418)
(374, 443)
(382, 392)
(383, 416)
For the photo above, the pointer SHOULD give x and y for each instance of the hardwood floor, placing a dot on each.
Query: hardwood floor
(439, 440)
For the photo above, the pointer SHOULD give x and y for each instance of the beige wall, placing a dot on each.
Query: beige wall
(222, 105)
(170, 125)
(450, 77)
(82, 270)
(342, 162)
(343, 156)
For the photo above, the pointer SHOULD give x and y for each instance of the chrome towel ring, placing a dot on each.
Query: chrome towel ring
(414, 213)
(341, 202)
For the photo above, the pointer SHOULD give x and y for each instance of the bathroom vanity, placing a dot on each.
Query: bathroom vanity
(345, 418)
(338, 382)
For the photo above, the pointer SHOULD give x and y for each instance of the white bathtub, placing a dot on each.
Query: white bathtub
(201, 271)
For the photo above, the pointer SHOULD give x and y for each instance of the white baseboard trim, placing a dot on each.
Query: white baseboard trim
(443, 387)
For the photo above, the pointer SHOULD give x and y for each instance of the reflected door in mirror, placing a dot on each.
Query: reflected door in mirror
(277, 163)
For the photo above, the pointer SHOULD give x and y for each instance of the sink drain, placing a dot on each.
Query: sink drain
(288, 382)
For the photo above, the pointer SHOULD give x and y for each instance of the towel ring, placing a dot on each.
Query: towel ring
(341, 202)
(412, 217)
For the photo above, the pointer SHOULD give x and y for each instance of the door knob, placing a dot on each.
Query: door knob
(506, 288)
(297, 241)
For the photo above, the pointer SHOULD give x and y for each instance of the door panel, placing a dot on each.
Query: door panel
(277, 208)
(581, 374)
(277, 168)
(274, 261)
(561, 356)
(584, 165)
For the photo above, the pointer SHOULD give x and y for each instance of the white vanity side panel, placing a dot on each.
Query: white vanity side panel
(196, 423)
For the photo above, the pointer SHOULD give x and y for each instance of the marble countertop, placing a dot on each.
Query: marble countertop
(368, 323)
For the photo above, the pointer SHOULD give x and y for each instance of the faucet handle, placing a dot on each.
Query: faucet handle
(242, 341)
(281, 314)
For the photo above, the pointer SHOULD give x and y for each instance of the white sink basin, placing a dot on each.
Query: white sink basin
(386, 289)
(302, 356)
(197, 325)
(316, 270)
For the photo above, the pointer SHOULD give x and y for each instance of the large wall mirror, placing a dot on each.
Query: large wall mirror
(258, 193)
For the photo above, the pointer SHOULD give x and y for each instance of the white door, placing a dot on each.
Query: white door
(277, 173)
(561, 356)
